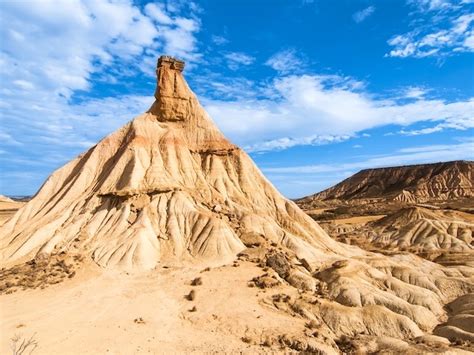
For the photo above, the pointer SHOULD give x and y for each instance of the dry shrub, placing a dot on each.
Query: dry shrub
(191, 295)
(20, 345)
(196, 282)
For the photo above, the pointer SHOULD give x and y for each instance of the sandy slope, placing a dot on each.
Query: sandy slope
(115, 312)
(68, 318)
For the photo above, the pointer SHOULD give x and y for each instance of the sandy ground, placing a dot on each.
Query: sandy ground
(7, 209)
(467, 216)
(94, 313)
(317, 210)
(358, 220)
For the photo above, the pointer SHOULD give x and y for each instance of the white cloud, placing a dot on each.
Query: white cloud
(219, 40)
(285, 61)
(180, 40)
(431, 5)
(448, 29)
(51, 50)
(286, 142)
(74, 39)
(418, 132)
(158, 13)
(414, 92)
(361, 15)
(308, 109)
(236, 59)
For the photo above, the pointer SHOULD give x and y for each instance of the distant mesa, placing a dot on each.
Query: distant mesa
(411, 183)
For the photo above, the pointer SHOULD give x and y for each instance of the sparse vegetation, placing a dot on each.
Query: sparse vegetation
(38, 273)
(344, 344)
(196, 282)
(23, 346)
(265, 281)
(281, 297)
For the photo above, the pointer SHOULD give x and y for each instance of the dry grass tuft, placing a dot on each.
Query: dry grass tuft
(22, 346)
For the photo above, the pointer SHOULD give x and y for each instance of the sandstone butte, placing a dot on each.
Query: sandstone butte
(169, 188)
(167, 185)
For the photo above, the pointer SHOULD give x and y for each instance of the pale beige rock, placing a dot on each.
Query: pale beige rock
(460, 324)
(5, 199)
(301, 281)
(405, 196)
(423, 230)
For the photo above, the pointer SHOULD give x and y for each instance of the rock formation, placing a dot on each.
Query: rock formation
(168, 185)
(423, 230)
(405, 183)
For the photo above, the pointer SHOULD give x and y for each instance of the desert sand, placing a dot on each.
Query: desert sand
(165, 237)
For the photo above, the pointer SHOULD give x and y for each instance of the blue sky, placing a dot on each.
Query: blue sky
(314, 90)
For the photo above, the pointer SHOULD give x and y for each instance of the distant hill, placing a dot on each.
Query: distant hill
(412, 183)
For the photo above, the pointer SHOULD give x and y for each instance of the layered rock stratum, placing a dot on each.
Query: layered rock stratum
(411, 183)
(167, 198)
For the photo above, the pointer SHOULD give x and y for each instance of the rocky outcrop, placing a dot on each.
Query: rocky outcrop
(405, 197)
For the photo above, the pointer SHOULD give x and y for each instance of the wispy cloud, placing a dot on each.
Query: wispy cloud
(361, 15)
(411, 155)
(306, 110)
(286, 142)
(415, 92)
(285, 61)
(219, 40)
(237, 59)
(448, 29)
